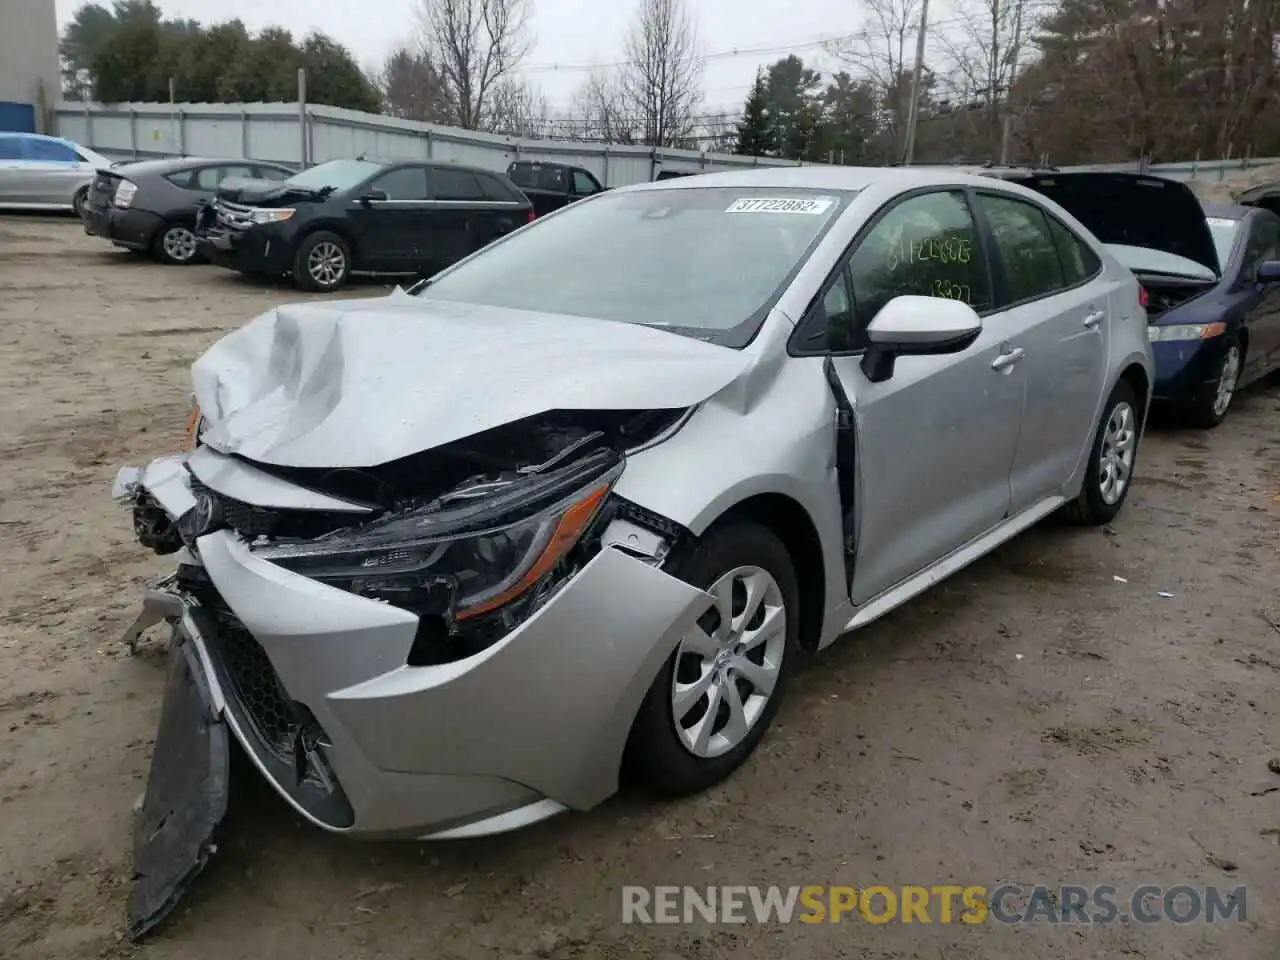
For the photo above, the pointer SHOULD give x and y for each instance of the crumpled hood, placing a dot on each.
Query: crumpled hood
(358, 383)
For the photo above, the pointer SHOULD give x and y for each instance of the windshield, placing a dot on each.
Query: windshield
(706, 261)
(1224, 232)
(338, 174)
(1146, 260)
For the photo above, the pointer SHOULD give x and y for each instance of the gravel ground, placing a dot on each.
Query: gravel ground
(1035, 719)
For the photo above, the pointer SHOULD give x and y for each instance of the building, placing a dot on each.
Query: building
(30, 80)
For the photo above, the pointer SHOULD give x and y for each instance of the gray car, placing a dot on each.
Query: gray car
(151, 206)
(45, 173)
(447, 558)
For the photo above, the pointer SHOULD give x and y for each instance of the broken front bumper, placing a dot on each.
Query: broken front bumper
(313, 683)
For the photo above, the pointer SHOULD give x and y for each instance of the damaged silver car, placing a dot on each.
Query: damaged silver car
(447, 561)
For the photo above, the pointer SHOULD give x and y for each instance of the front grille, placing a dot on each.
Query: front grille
(282, 733)
(251, 521)
(234, 216)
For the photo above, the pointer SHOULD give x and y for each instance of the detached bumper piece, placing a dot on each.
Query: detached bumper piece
(186, 797)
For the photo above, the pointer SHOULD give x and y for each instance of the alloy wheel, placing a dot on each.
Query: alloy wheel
(1119, 445)
(1227, 381)
(326, 263)
(728, 664)
(179, 244)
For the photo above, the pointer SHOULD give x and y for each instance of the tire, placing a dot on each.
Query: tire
(78, 201)
(1210, 409)
(317, 249)
(176, 244)
(669, 757)
(1099, 502)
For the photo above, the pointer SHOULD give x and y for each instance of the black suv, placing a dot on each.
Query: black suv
(551, 186)
(363, 216)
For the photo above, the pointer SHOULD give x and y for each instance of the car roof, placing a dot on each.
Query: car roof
(1226, 211)
(410, 162)
(172, 164)
(823, 177)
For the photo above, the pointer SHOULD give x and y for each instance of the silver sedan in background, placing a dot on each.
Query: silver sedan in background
(46, 173)
(445, 558)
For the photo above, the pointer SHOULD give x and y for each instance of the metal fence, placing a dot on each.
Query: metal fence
(299, 135)
(1213, 171)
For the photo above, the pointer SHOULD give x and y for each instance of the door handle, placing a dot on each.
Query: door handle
(1091, 320)
(1007, 360)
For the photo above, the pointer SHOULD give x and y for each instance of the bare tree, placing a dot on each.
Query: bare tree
(518, 109)
(661, 82)
(601, 106)
(883, 53)
(413, 89)
(475, 44)
(984, 49)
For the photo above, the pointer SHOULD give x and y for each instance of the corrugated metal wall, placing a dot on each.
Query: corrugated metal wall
(272, 131)
(29, 54)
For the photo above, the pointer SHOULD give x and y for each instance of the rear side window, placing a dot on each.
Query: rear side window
(10, 148)
(454, 185)
(539, 176)
(242, 171)
(1079, 262)
(927, 246)
(181, 178)
(50, 151)
(207, 178)
(495, 189)
(1030, 257)
(271, 173)
(406, 183)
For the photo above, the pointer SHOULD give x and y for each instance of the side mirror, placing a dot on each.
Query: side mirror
(909, 326)
(373, 196)
(1269, 271)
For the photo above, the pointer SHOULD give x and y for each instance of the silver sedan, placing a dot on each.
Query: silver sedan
(446, 558)
(45, 173)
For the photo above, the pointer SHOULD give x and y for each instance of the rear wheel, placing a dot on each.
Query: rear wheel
(323, 262)
(1211, 408)
(1111, 461)
(176, 243)
(718, 692)
(79, 200)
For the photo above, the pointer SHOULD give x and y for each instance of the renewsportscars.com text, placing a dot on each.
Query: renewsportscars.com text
(939, 904)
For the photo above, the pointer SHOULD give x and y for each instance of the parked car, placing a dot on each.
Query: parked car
(152, 205)
(365, 216)
(551, 186)
(45, 173)
(445, 557)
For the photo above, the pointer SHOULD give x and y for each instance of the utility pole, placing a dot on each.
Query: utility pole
(1007, 125)
(913, 115)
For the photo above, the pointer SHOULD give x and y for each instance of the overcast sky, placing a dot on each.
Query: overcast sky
(568, 34)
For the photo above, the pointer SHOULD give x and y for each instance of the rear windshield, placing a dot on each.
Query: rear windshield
(540, 176)
(704, 262)
(338, 174)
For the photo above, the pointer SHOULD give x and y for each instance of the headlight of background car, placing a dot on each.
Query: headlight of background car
(265, 215)
(475, 563)
(1185, 331)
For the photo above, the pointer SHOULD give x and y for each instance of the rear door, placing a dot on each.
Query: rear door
(505, 209)
(396, 234)
(460, 220)
(1262, 244)
(51, 171)
(1056, 307)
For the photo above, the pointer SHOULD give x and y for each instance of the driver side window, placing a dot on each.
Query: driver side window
(927, 246)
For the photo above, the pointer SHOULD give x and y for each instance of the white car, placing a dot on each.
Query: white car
(45, 173)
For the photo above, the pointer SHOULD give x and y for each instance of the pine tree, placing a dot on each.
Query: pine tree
(755, 138)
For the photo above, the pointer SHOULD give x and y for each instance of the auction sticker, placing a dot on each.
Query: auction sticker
(814, 207)
(1220, 222)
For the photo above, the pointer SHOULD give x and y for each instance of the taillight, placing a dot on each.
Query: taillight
(124, 194)
(1142, 296)
(532, 216)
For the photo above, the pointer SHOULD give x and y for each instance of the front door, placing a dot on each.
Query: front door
(393, 232)
(1057, 306)
(935, 441)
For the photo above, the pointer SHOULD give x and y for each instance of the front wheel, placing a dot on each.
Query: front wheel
(1111, 461)
(717, 693)
(1211, 408)
(323, 262)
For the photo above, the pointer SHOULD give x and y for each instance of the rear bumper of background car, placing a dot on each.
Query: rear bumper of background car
(313, 683)
(135, 229)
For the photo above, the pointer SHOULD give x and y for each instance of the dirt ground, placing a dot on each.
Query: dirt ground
(1092, 707)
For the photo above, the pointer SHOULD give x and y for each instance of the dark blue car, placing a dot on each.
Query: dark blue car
(1214, 325)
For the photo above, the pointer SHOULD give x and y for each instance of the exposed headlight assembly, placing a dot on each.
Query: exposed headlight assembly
(480, 552)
